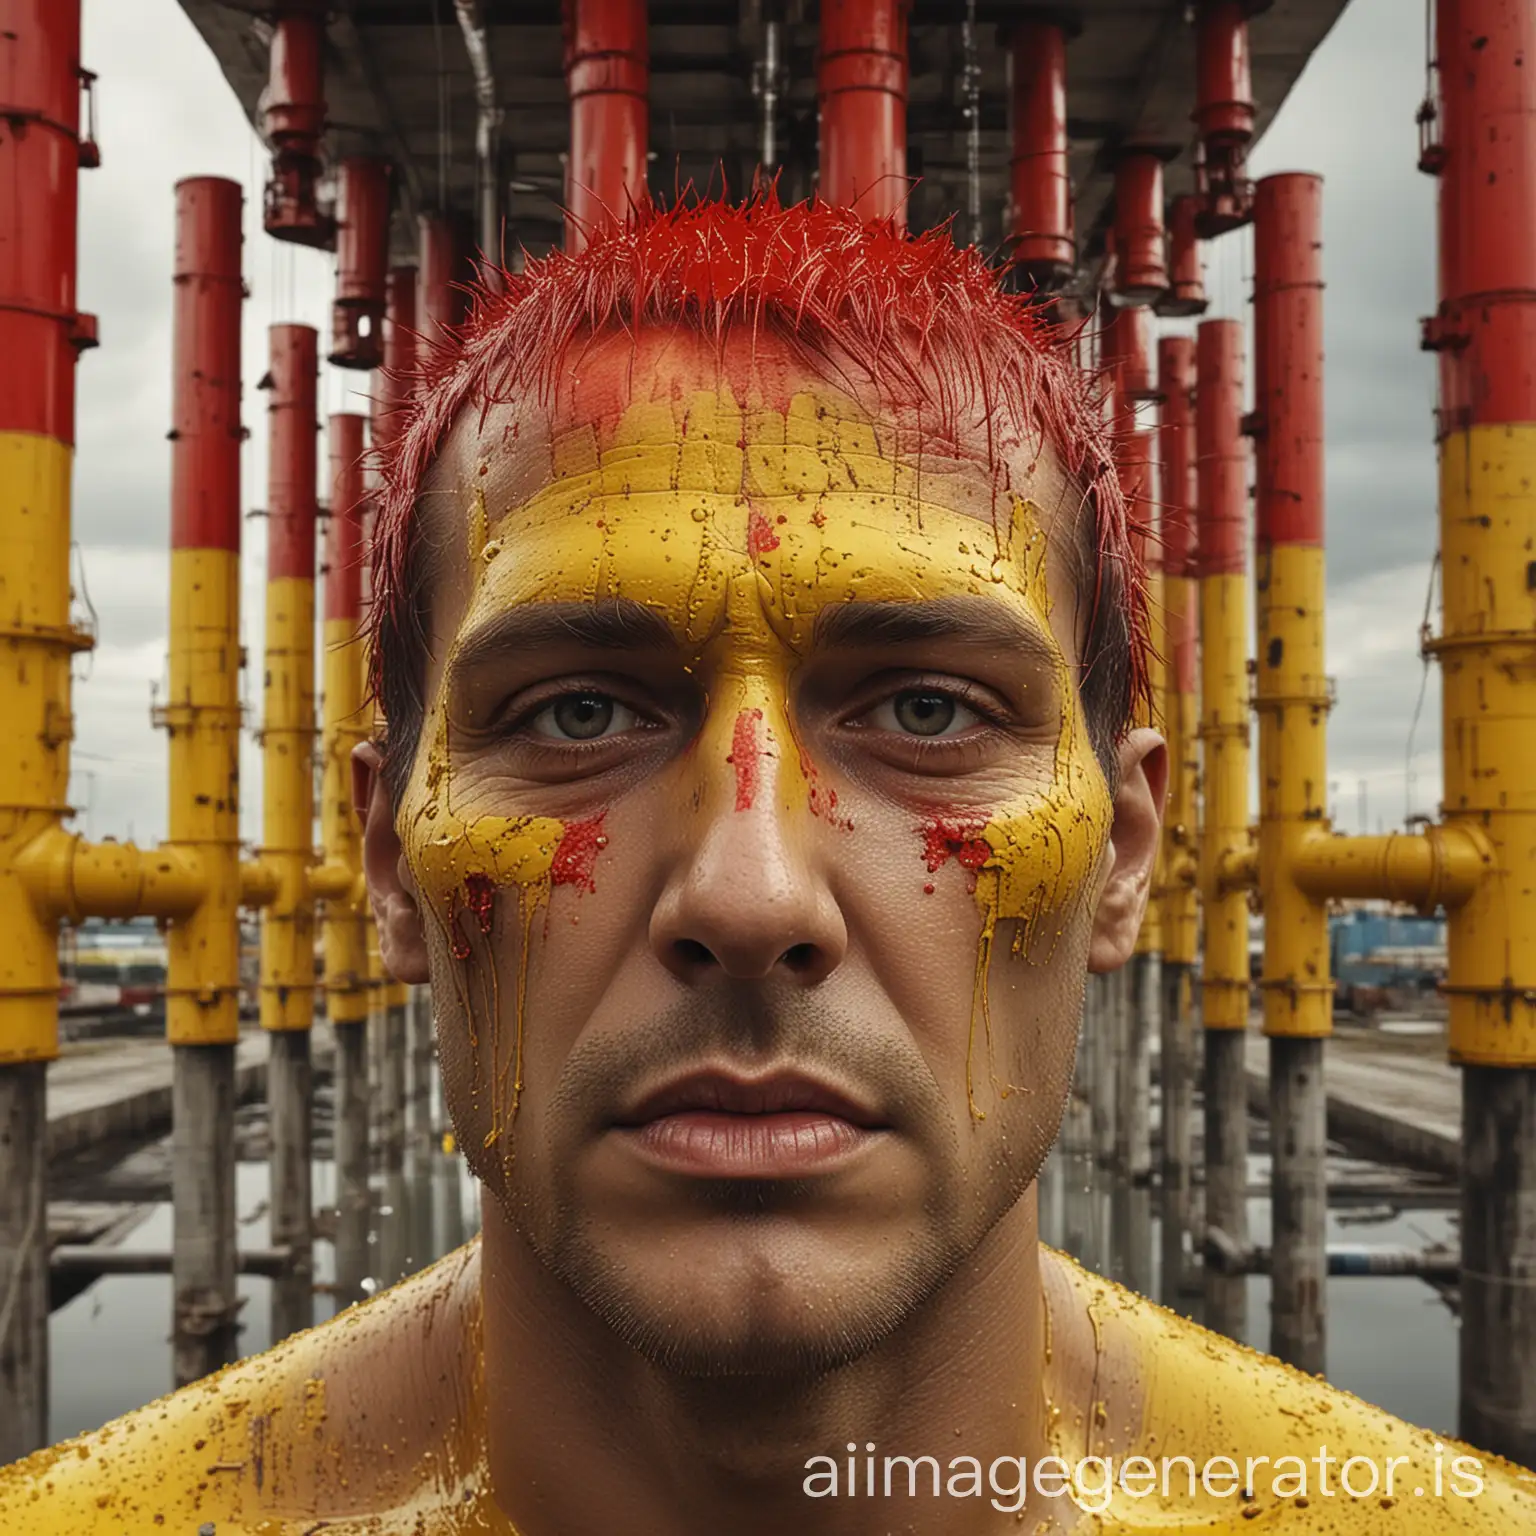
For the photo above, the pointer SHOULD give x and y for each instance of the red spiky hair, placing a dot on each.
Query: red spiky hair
(923, 319)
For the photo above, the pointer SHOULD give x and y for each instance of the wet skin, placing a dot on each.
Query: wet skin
(756, 849)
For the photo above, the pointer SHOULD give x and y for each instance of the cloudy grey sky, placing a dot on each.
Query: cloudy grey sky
(165, 113)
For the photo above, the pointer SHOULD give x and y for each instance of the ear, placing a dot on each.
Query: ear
(1133, 839)
(391, 892)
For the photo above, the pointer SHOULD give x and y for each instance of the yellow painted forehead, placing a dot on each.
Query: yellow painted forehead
(692, 506)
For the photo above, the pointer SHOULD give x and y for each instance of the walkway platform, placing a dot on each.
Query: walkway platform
(1392, 1095)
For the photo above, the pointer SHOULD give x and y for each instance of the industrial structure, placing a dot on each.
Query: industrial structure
(1097, 147)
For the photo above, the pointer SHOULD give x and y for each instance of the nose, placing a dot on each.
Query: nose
(747, 898)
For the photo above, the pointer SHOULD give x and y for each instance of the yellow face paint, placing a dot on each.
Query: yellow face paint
(739, 528)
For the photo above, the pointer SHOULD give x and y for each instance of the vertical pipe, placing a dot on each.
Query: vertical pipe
(439, 301)
(1180, 916)
(40, 333)
(1141, 258)
(362, 257)
(1223, 115)
(287, 738)
(861, 90)
(419, 1126)
(608, 75)
(1487, 650)
(346, 721)
(1186, 267)
(1040, 187)
(1291, 698)
(1221, 463)
(202, 716)
(294, 124)
(1101, 1023)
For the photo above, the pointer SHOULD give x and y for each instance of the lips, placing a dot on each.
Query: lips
(717, 1125)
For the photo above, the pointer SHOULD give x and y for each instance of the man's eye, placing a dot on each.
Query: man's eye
(583, 717)
(923, 712)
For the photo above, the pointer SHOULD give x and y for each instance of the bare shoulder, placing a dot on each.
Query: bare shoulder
(370, 1422)
(1212, 1418)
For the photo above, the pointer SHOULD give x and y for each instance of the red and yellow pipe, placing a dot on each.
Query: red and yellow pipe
(1181, 702)
(288, 702)
(345, 725)
(1225, 867)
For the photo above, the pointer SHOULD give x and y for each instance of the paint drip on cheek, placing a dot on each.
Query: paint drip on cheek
(576, 853)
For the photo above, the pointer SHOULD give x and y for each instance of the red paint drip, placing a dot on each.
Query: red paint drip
(823, 802)
(458, 945)
(959, 840)
(744, 755)
(577, 851)
(480, 898)
(760, 535)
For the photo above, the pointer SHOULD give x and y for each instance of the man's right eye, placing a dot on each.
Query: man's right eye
(582, 717)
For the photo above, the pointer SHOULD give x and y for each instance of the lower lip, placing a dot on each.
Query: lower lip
(710, 1144)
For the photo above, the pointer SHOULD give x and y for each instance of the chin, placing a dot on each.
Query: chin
(761, 1299)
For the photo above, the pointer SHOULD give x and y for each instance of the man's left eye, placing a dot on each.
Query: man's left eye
(583, 717)
(923, 712)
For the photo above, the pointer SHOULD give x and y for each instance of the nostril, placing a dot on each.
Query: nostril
(692, 953)
(799, 957)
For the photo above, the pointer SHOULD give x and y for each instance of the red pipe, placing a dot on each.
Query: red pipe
(344, 528)
(1186, 269)
(294, 121)
(1223, 115)
(1141, 266)
(1125, 356)
(1288, 358)
(205, 396)
(1487, 193)
(41, 333)
(439, 302)
(1176, 452)
(1044, 249)
(1134, 458)
(608, 75)
(292, 452)
(861, 90)
(1221, 455)
(393, 386)
(362, 256)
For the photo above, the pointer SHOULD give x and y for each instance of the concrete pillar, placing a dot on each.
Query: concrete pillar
(290, 1092)
(391, 1100)
(1133, 1068)
(1226, 1173)
(206, 1316)
(423, 1067)
(1101, 1026)
(1298, 1134)
(1176, 1073)
(352, 1193)
(23, 1259)
(1498, 1261)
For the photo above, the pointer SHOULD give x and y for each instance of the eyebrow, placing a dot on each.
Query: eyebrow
(974, 620)
(613, 624)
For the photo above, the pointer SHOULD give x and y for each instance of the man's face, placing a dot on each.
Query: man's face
(757, 838)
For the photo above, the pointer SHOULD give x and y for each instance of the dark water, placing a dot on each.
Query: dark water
(1391, 1340)
(110, 1346)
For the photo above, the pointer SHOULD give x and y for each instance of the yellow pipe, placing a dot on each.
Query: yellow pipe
(1226, 861)
(203, 719)
(1442, 868)
(1487, 654)
(69, 878)
(1180, 909)
(287, 740)
(35, 706)
(345, 725)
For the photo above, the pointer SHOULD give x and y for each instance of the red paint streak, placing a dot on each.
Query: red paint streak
(458, 945)
(577, 852)
(958, 839)
(480, 898)
(823, 802)
(760, 535)
(744, 756)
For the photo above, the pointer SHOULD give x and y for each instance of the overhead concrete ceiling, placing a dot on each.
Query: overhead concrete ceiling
(398, 82)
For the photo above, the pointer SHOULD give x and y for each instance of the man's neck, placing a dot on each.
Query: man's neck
(585, 1434)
